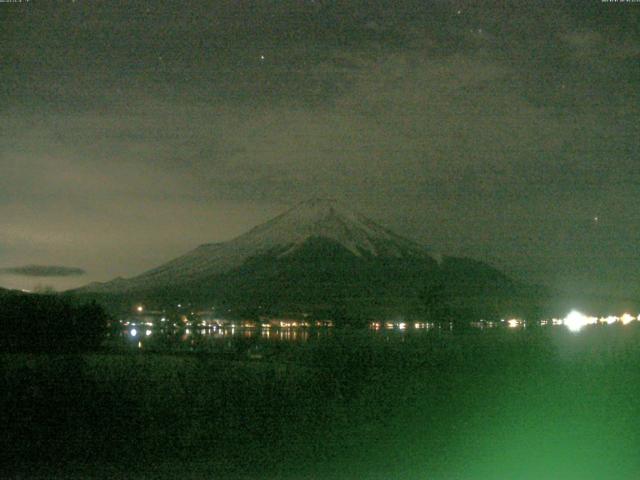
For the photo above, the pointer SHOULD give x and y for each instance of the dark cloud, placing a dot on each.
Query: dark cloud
(43, 271)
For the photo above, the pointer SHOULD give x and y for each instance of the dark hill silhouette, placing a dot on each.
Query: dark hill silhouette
(50, 323)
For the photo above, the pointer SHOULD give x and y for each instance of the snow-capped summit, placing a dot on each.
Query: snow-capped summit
(327, 218)
(317, 218)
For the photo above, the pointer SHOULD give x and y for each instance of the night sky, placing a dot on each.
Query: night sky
(131, 132)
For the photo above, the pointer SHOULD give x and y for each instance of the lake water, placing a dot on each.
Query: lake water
(331, 403)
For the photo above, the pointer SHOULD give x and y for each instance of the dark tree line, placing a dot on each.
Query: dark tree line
(50, 323)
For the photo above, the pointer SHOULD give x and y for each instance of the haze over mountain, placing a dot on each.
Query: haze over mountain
(320, 255)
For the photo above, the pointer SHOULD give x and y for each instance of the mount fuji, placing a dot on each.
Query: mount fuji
(318, 256)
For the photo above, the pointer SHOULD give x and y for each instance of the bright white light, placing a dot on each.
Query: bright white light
(139, 308)
(134, 332)
(147, 333)
(513, 323)
(626, 319)
(576, 320)
(610, 320)
(402, 326)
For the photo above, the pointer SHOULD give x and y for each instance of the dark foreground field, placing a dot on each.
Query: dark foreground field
(540, 404)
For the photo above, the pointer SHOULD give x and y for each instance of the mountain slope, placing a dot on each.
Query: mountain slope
(282, 236)
(321, 257)
(5, 291)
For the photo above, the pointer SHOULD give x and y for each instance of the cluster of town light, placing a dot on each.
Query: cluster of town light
(575, 321)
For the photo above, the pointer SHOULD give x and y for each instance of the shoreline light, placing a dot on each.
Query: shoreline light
(575, 321)
(626, 319)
